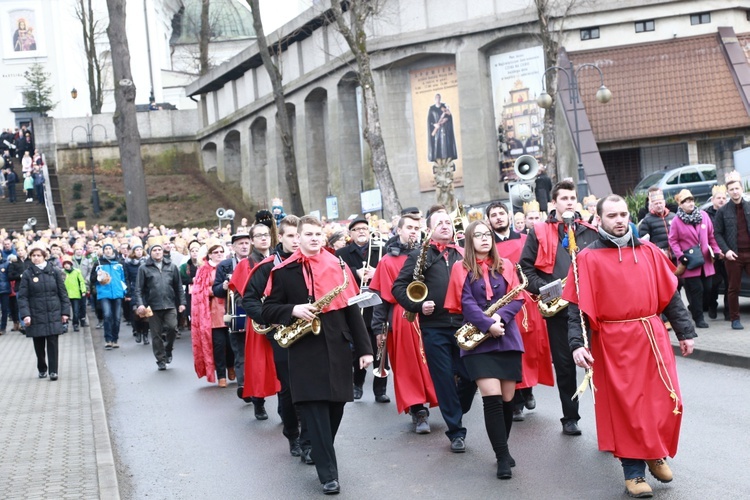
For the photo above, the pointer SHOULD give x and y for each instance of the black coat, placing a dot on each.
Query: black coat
(320, 366)
(352, 255)
(42, 297)
(725, 225)
(657, 228)
(160, 289)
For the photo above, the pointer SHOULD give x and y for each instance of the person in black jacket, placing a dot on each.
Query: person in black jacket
(543, 188)
(131, 266)
(15, 270)
(454, 388)
(158, 286)
(10, 182)
(362, 257)
(44, 306)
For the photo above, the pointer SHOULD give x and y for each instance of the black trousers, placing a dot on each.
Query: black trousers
(323, 419)
(565, 367)
(697, 289)
(293, 425)
(717, 279)
(223, 354)
(50, 342)
(378, 384)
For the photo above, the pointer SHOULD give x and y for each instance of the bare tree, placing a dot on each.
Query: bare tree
(92, 31)
(285, 126)
(205, 37)
(551, 15)
(356, 37)
(126, 125)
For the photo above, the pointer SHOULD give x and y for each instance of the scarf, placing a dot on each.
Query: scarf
(692, 219)
(620, 241)
(42, 265)
(484, 266)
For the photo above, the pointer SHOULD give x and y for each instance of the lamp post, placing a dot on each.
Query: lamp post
(603, 95)
(89, 130)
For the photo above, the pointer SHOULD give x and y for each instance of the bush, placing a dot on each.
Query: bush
(77, 187)
(109, 204)
(76, 195)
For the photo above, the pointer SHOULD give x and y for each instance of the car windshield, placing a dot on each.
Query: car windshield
(649, 181)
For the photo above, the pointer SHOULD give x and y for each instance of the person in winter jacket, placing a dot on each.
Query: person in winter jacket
(16, 268)
(28, 186)
(75, 284)
(5, 290)
(134, 262)
(108, 277)
(44, 306)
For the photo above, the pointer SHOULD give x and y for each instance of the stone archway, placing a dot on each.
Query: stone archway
(232, 157)
(209, 157)
(259, 163)
(316, 139)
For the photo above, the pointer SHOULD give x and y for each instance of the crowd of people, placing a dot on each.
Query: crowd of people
(21, 163)
(300, 308)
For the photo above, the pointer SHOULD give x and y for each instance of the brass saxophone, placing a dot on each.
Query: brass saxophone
(469, 336)
(288, 335)
(262, 329)
(554, 306)
(417, 290)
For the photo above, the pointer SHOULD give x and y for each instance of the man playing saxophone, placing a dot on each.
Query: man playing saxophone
(319, 365)
(544, 259)
(453, 386)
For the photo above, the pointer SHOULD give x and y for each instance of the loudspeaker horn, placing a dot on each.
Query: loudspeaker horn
(520, 193)
(526, 167)
(229, 214)
(31, 221)
(220, 212)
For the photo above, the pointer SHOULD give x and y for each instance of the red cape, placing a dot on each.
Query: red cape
(411, 378)
(634, 364)
(458, 277)
(260, 370)
(327, 274)
(511, 249)
(241, 275)
(200, 323)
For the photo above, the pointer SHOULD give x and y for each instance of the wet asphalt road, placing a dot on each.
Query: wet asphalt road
(178, 437)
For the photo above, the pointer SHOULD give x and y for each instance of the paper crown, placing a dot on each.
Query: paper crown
(532, 206)
(475, 214)
(589, 199)
(277, 202)
(732, 176)
(719, 188)
(656, 195)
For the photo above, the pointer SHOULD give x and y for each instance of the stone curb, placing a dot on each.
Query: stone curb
(105, 461)
(719, 358)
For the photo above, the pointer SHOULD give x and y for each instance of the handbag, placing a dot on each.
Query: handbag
(693, 257)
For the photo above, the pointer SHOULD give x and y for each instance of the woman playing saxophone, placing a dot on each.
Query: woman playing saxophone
(478, 281)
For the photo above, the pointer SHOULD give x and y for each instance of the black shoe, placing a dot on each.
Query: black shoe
(503, 469)
(169, 357)
(383, 398)
(332, 487)
(240, 390)
(518, 415)
(52, 376)
(294, 448)
(458, 445)
(712, 313)
(358, 393)
(570, 428)
(146, 341)
(83, 323)
(75, 328)
(42, 374)
(138, 338)
(530, 403)
(701, 324)
(260, 412)
(306, 457)
(162, 365)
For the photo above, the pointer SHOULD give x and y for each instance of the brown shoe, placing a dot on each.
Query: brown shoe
(660, 470)
(16, 326)
(222, 382)
(231, 373)
(638, 488)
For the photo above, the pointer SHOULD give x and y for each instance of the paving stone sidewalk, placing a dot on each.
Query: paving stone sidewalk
(54, 440)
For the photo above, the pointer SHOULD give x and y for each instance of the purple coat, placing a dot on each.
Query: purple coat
(474, 302)
(683, 236)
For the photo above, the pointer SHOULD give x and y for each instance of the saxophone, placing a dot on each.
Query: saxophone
(288, 335)
(417, 290)
(469, 336)
(554, 306)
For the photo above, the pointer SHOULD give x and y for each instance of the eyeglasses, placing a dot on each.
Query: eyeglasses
(217, 251)
(361, 229)
(481, 236)
(262, 236)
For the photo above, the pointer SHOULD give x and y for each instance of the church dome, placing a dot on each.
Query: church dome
(229, 19)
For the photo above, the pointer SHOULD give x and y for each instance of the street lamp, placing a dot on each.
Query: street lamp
(603, 95)
(89, 130)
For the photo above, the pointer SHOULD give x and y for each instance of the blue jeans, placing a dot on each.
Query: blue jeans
(633, 468)
(5, 305)
(444, 361)
(111, 309)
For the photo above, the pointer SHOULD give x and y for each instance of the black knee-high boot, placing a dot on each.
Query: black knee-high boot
(508, 416)
(495, 423)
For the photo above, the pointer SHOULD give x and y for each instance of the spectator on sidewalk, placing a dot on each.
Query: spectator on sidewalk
(16, 268)
(159, 289)
(38, 184)
(108, 277)
(10, 182)
(44, 306)
(75, 284)
(5, 291)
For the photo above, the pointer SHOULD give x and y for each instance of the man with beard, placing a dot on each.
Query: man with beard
(241, 244)
(499, 218)
(252, 301)
(362, 257)
(546, 258)
(657, 222)
(412, 383)
(638, 404)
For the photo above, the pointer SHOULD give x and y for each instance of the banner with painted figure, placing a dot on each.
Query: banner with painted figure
(434, 95)
(22, 33)
(516, 83)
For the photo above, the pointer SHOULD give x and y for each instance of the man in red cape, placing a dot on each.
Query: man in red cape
(638, 404)
(536, 359)
(411, 377)
(320, 366)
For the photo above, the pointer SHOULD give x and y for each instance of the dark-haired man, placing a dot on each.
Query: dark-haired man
(546, 257)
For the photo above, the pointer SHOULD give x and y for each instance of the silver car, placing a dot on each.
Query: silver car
(699, 179)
